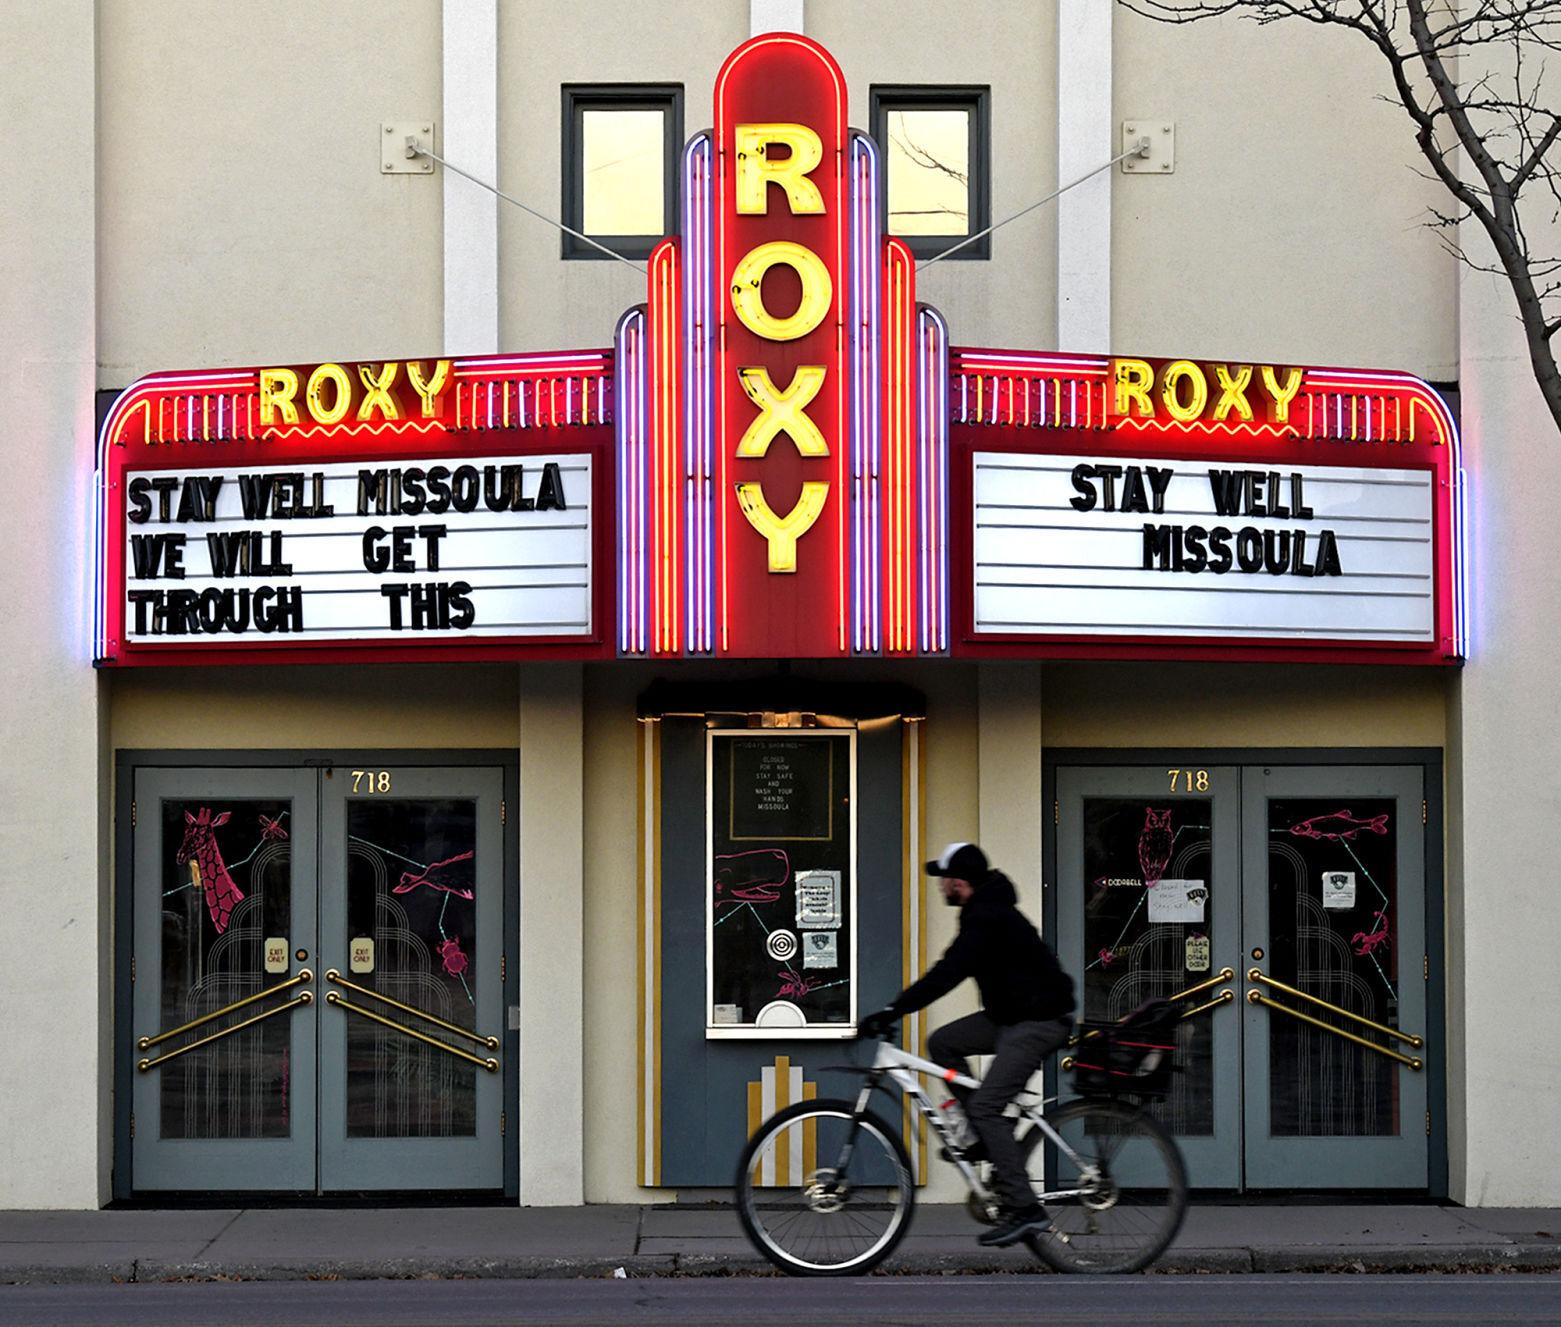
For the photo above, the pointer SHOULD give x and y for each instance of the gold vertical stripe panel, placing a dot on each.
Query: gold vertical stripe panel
(782, 1072)
(755, 1119)
(919, 732)
(655, 931)
(809, 1134)
(642, 920)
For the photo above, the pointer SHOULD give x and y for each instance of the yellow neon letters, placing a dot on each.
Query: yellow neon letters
(757, 169)
(748, 298)
(376, 392)
(782, 533)
(1233, 392)
(782, 412)
(1134, 379)
(428, 389)
(1282, 395)
(341, 385)
(278, 387)
(1181, 388)
(1177, 372)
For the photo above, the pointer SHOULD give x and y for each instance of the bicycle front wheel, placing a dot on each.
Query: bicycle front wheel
(813, 1208)
(1117, 1194)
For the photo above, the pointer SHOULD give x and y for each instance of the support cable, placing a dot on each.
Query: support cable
(1139, 149)
(416, 149)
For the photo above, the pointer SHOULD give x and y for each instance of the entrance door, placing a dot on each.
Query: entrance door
(317, 979)
(1287, 905)
(1334, 1012)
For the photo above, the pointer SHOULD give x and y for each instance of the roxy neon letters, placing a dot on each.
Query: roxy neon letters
(780, 410)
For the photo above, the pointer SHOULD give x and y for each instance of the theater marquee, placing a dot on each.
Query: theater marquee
(780, 457)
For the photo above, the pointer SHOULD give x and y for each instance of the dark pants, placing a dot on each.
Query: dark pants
(1019, 1049)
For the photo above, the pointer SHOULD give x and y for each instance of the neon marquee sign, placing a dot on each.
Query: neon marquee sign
(782, 457)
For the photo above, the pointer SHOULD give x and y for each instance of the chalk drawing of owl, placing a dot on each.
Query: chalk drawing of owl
(1154, 844)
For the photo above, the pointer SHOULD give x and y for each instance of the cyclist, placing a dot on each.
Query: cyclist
(1027, 1013)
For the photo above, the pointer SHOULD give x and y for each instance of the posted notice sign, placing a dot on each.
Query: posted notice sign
(1160, 547)
(400, 551)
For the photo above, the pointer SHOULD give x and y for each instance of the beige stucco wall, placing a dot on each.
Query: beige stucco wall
(545, 302)
(56, 993)
(383, 706)
(1251, 705)
(1010, 300)
(1504, 908)
(244, 217)
(1292, 228)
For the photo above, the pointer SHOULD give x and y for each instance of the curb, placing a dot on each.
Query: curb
(1179, 1262)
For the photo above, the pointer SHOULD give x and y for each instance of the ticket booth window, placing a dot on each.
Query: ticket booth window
(937, 162)
(781, 906)
(619, 156)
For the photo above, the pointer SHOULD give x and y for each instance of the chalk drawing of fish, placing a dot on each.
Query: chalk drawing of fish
(1339, 825)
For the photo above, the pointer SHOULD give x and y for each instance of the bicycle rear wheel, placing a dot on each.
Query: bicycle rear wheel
(1117, 1202)
(805, 1212)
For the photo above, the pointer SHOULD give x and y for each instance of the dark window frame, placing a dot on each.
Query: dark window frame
(577, 98)
(975, 98)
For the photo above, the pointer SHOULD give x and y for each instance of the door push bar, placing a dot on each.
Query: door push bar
(490, 1064)
(334, 975)
(1258, 998)
(303, 998)
(146, 1043)
(1224, 997)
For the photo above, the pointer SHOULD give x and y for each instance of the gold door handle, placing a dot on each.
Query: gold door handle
(1409, 1038)
(490, 1064)
(491, 1043)
(146, 1043)
(303, 998)
(1224, 997)
(1224, 974)
(1413, 1061)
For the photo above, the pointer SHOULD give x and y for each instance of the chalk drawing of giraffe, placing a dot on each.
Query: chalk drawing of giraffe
(207, 868)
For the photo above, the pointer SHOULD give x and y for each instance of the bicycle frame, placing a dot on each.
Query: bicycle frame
(906, 1071)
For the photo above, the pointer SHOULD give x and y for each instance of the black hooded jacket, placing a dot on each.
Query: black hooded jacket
(1019, 976)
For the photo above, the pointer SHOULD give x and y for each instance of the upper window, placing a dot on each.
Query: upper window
(620, 165)
(936, 146)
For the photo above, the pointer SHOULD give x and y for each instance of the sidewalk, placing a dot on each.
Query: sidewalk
(271, 1243)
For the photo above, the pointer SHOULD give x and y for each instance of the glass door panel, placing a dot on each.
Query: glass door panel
(410, 930)
(1148, 907)
(223, 1062)
(1335, 986)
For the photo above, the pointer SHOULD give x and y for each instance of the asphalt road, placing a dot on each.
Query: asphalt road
(1003, 1301)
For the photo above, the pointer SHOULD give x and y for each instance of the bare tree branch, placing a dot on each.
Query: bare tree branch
(1473, 79)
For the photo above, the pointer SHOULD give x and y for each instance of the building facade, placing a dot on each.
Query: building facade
(517, 685)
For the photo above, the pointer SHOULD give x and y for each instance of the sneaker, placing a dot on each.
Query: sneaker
(1014, 1227)
(975, 1150)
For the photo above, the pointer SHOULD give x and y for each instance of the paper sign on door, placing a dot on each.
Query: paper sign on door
(360, 953)
(1338, 889)
(1177, 901)
(276, 953)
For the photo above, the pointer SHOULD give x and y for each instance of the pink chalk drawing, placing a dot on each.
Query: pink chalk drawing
(271, 829)
(450, 954)
(1339, 825)
(411, 880)
(751, 877)
(207, 868)
(1154, 844)
(1367, 942)
(1108, 956)
(793, 985)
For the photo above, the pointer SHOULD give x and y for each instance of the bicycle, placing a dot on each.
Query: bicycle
(1109, 1174)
